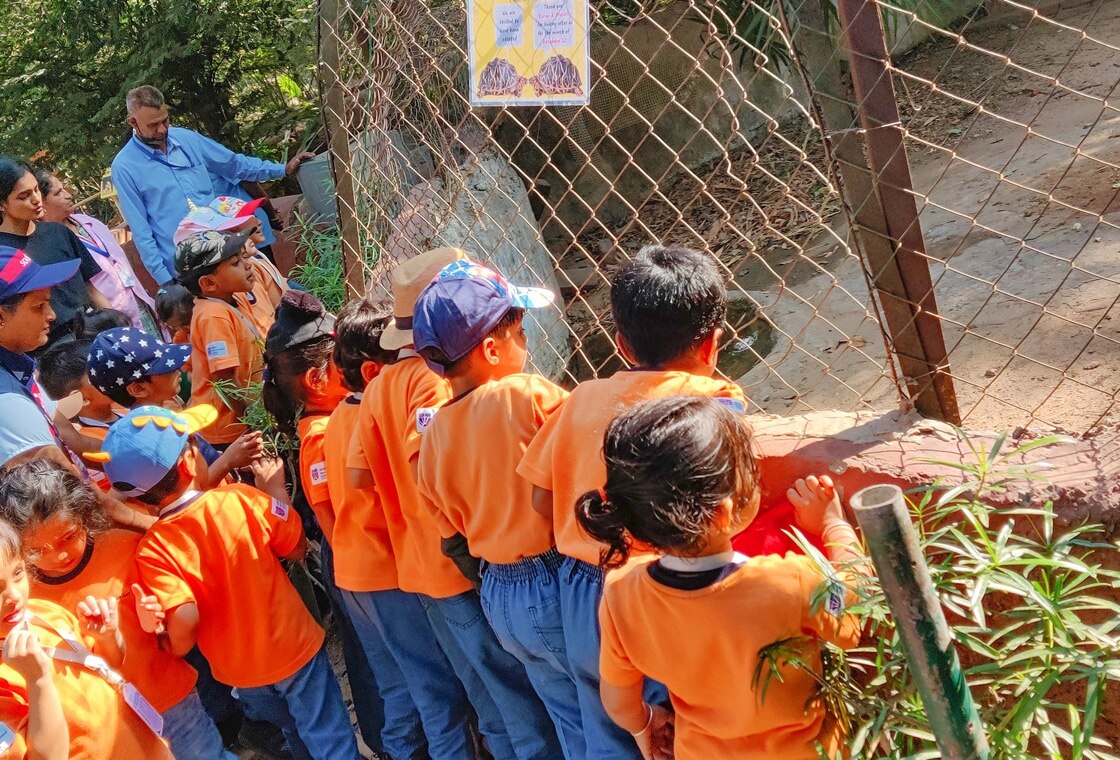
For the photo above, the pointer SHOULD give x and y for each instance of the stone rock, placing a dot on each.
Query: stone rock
(486, 212)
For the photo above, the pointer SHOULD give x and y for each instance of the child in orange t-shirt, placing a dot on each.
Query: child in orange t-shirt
(229, 214)
(302, 387)
(213, 562)
(66, 539)
(468, 321)
(59, 695)
(227, 330)
(681, 479)
(394, 407)
(668, 306)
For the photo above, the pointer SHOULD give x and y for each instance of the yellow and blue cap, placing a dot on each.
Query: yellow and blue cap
(145, 444)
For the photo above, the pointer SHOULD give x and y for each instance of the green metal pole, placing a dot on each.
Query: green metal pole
(885, 521)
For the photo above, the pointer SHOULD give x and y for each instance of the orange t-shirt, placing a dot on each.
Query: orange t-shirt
(474, 489)
(313, 470)
(224, 337)
(222, 552)
(566, 457)
(396, 408)
(110, 570)
(704, 646)
(101, 725)
(363, 551)
(270, 283)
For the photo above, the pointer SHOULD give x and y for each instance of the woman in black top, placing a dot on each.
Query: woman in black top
(21, 206)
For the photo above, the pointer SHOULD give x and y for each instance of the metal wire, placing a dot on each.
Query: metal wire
(695, 137)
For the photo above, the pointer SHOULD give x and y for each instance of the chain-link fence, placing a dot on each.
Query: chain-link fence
(913, 202)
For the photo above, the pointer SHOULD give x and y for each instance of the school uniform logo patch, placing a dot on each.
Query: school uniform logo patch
(318, 473)
(7, 737)
(217, 350)
(424, 417)
(280, 509)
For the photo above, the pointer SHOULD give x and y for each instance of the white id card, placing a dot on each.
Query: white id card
(143, 708)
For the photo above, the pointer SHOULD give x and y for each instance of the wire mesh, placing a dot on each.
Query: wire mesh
(720, 125)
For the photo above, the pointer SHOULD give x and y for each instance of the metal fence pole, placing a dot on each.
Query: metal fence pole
(899, 271)
(893, 542)
(333, 103)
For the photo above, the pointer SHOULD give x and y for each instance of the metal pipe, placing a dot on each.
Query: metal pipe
(885, 521)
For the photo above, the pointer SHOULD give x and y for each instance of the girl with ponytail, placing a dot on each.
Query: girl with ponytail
(682, 479)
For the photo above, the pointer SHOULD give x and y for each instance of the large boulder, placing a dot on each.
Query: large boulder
(485, 211)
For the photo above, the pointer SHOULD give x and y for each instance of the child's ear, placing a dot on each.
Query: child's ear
(188, 468)
(624, 349)
(206, 283)
(138, 389)
(488, 350)
(370, 370)
(708, 350)
(725, 518)
(314, 379)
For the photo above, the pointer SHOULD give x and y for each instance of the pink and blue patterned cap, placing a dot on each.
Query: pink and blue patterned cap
(222, 214)
(463, 304)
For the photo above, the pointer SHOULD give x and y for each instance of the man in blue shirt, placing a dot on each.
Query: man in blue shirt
(162, 167)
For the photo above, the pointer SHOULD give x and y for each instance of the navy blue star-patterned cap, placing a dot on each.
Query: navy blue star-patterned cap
(125, 355)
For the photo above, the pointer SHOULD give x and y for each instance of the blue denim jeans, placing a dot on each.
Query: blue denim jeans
(522, 603)
(191, 733)
(510, 714)
(368, 707)
(308, 708)
(398, 639)
(581, 588)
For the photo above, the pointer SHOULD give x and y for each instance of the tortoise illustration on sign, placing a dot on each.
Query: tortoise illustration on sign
(499, 77)
(557, 76)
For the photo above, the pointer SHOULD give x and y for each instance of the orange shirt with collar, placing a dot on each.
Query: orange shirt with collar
(396, 408)
(101, 725)
(474, 489)
(223, 337)
(222, 552)
(566, 457)
(109, 569)
(363, 551)
(272, 284)
(311, 431)
(704, 646)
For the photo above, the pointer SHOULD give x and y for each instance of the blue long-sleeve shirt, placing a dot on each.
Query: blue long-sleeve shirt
(153, 188)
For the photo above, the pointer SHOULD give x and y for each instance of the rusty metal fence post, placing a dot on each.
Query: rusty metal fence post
(893, 246)
(333, 103)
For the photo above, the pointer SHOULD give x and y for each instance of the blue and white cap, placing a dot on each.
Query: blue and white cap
(124, 355)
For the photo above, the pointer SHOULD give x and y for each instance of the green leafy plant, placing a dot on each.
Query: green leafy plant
(1031, 605)
(255, 416)
(321, 269)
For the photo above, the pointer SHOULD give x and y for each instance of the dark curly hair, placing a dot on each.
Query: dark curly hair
(670, 464)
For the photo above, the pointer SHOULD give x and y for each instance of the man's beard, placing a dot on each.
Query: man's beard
(152, 142)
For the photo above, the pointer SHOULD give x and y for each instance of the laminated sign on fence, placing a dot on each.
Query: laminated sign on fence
(529, 52)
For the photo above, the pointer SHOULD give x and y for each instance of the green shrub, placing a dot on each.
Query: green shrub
(1030, 606)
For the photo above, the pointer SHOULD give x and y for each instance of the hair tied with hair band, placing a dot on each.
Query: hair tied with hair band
(603, 495)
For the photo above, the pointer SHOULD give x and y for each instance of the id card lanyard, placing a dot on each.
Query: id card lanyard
(80, 654)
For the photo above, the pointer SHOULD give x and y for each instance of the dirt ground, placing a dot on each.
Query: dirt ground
(1019, 205)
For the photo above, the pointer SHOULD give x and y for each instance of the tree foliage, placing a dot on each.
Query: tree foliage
(241, 71)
